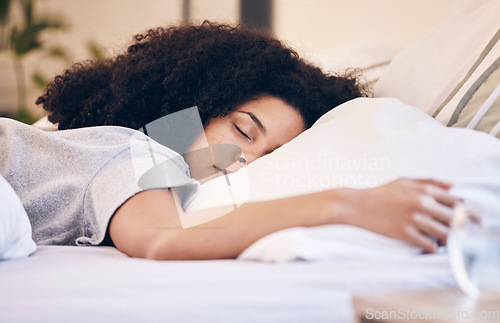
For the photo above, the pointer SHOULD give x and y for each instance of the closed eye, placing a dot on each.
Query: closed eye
(241, 132)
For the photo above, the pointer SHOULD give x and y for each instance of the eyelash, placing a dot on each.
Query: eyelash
(242, 133)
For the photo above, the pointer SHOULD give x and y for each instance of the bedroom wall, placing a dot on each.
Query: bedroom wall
(309, 26)
(323, 24)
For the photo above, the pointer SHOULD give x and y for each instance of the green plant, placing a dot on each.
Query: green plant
(95, 51)
(4, 13)
(25, 38)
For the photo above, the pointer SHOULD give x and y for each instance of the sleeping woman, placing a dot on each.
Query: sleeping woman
(78, 186)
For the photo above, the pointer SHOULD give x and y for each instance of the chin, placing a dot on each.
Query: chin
(209, 178)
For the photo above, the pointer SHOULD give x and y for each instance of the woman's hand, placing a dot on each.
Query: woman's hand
(148, 224)
(415, 211)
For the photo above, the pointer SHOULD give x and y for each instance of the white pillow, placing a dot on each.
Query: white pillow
(427, 72)
(15, 228)
(362, 143)
(371, 59)
(478, 109)
(326, 242)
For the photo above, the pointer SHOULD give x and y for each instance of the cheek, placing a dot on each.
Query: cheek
(199, 143)
(227, 147)
(219, 132)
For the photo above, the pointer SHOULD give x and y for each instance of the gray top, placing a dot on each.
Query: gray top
(71, 182)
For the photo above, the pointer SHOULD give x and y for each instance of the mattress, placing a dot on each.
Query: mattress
(101, 284)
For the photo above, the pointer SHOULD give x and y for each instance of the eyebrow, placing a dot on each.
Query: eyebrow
(256, 120)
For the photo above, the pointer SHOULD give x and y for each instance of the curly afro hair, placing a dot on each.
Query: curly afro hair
(214, 67)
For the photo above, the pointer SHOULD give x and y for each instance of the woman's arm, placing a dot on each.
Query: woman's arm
(148, 226)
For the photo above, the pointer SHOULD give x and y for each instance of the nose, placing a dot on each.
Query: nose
(253, 152)
(247, 157)
(231, 157)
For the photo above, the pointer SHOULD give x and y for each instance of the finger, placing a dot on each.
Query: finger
(437, 210)
(417, 238)
(431, 227)
(435, 182)
(473, 214)
(474, 217)
(443, 197)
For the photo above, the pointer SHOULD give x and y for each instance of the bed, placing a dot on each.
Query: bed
(307, 274)
(70, 284)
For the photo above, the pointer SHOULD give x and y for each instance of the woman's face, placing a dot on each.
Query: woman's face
(253, 130)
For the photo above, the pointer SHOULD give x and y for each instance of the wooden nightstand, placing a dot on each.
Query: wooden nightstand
(425, 306)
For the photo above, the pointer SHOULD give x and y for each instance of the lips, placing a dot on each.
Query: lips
(218, 171)
(222, 171)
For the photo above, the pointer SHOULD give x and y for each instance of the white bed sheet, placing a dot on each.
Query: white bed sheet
(100, 284)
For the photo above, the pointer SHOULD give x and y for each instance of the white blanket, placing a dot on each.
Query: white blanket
(362, 143)
(15, 228)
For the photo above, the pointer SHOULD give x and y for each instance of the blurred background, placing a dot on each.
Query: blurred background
(40, 38)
